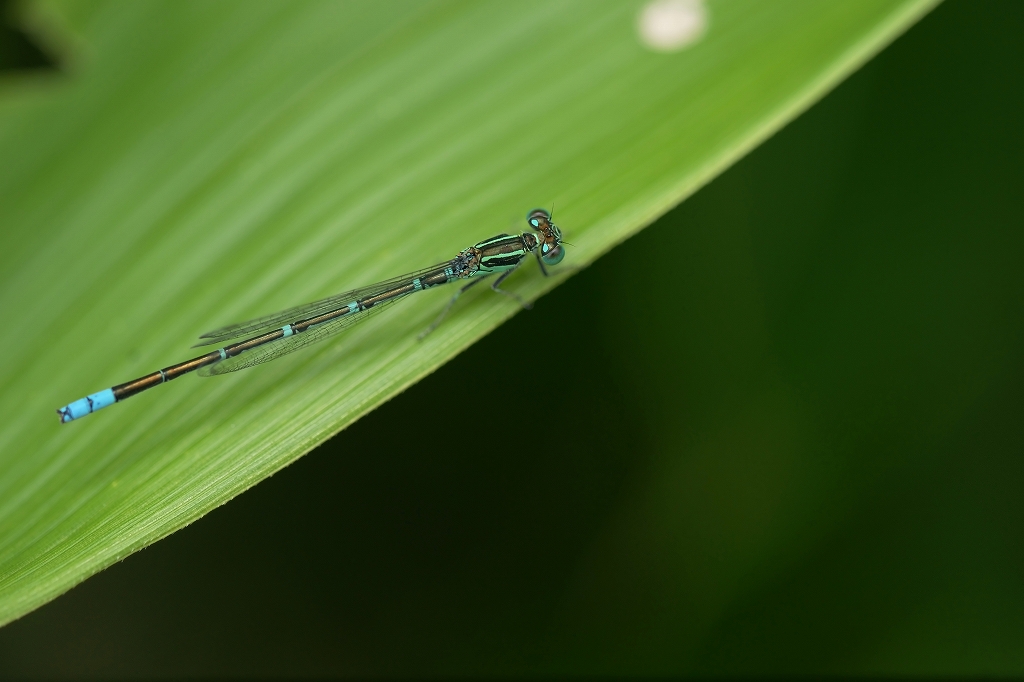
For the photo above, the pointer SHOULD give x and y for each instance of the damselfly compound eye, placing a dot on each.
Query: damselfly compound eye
(539, 219)
(552, 255)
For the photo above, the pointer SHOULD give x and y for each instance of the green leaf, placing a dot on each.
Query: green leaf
(207, 162)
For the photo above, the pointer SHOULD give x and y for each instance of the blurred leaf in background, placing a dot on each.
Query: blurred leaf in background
(783, 436)
(204, 162)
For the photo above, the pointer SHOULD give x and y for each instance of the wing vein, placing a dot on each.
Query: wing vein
(266, 323)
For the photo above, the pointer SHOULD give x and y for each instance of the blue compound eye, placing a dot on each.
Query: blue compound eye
(538, 218)
(552, 256)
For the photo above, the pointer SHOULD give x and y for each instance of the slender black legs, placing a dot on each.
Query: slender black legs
(473, 282)
(541, 264)
(501, 278)
(495, 286)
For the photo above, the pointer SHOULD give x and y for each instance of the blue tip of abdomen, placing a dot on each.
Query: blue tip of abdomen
(86, 405)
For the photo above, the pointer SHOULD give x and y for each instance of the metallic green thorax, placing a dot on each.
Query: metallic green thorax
(502, 252)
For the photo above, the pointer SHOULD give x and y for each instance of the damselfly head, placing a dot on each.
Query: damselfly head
(551, 251)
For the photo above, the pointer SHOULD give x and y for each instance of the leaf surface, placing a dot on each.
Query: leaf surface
(208, 162)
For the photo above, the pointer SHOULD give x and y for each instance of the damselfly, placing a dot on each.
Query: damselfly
(268, 338)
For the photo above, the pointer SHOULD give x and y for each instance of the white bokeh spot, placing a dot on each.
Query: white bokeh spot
(671, 25)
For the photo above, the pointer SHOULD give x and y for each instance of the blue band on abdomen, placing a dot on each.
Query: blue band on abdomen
(86, 405)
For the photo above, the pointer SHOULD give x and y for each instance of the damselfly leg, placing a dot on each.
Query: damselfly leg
(496, 286)
(451, 301)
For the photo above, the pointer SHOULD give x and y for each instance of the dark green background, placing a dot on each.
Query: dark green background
(778, 431)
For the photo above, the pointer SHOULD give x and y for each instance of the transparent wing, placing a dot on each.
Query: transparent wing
(275, 349)
(273, 321)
